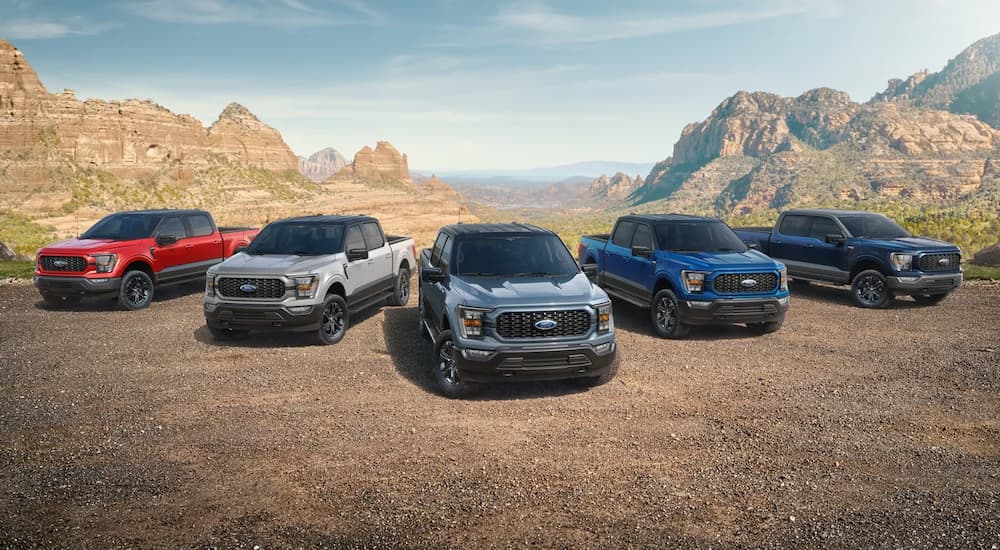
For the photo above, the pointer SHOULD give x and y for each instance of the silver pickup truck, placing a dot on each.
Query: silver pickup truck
(308, 274)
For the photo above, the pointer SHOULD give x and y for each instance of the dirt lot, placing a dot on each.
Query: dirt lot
(845, 428)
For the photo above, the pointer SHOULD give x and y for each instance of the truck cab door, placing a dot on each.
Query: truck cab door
(379, 256)
(790, 238)
(360, 274)
(641, 267)
(170, 249)
(433, 293)
(618, 256)
(828, 258)
(204, 244)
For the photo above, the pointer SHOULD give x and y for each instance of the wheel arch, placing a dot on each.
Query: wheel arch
(139, 264)
(864, 264)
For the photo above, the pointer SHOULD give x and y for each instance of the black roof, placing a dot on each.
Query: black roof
(826, 211)
(667, 218)
(329, 219)
(164, 211)
(460, 229)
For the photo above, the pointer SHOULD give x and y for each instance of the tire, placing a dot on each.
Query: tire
(334, 322)
(766, 327)
(61, 301)
(401, 294)
(870, 290)
(136, 291)
(228, 333)
(446, 375)
(666, 324)
(594, 381)
(931, 300)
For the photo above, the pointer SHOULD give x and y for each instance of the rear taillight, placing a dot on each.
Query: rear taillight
(579, 252)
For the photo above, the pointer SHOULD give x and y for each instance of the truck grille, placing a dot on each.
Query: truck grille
(521, 324)
(940, 262)
(262, 288)
(732, 283)
(65, 263)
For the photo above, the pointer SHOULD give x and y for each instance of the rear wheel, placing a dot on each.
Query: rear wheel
(870, 289)
(930, 300)
(336, 318)
(61, 301)
(401, 294)
(666, 322)
(136, 291)
(446, 373)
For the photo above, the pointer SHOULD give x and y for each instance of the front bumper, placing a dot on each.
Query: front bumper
(732, 311)
(261, 317)
(511, 365)
(75, 286)
(925, 284)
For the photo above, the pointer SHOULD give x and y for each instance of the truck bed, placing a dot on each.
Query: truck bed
(233, 229)
(600, 237)
(760, 228)
(393, 239)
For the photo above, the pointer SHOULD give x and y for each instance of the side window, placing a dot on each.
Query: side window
(354, 240)
(445, 258)
(642, 237)
(623, 234)
(172, 227)
(373, 235)
(795, 225)
(824, 226)
(442, 241)
(199, 225)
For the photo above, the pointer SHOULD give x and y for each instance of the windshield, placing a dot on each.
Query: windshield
(698, 236)
(536, 255)
(873, 226)
(301, 239)
(124, 227)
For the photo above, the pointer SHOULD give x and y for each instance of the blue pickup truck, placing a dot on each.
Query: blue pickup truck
(868, 251)
(687, 270)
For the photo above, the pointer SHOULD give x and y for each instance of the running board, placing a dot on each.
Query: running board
(629, 299)
(378, 299)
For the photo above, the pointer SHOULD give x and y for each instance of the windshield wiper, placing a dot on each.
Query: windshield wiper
(537, 274)
(479, 274)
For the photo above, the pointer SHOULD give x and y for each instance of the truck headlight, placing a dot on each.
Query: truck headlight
(105, 262)
(305, 286)
(694, 281)
(901, 262)
(783, 278)
(210, 285)
(604, 317)
(471, 321)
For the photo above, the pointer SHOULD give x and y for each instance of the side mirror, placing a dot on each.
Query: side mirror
(642, 251)
(431, 274)
(835, 238)
(752, 245)
(164, 240)
(590, 270)
(355, 254)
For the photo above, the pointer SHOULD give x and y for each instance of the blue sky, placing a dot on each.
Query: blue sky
(476, 85)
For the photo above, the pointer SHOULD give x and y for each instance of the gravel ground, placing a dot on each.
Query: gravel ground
(847, 428)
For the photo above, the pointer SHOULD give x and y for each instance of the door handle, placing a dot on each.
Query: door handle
(775, 242)
(810, 246)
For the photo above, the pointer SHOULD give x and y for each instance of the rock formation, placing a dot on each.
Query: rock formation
(384, 162)
(989, 256)
(616, 188)
(322, 164)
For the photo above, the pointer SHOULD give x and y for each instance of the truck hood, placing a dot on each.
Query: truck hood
(492, 292)
(907, 244)
(87, 246)
(277, 264)
(709, 261)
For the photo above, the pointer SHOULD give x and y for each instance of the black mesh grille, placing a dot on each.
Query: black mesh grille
(64, 263)
(263, 288)
(732, 283)
(521, 324)
(940, 262)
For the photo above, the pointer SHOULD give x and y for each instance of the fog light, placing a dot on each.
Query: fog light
(784, 301)
(299, 310)
(699, 304)
(210, 307)
(604, 348)
(477, 354)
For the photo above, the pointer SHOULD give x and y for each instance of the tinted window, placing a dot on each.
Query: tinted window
(795, 225)
(355, 240)
(446, 254)
(172, 227)
(623, 234)
(642, 236)
(436, 251)
(302, 239)
(822, 227)
(698, 236)
(875, 226)
(199, 225)
(124, 227)
(373, 235)
(513, 256)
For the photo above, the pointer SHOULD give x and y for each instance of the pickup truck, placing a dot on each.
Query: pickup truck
(132, 253)
(868, 251)
(507, 302)
(688, 271)
(308, 274)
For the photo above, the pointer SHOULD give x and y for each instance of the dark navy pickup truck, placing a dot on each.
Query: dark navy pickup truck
(868, 251)
(689, 271)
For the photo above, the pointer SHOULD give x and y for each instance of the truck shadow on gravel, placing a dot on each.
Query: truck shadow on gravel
(277, 338)
(840, 295)
(110, 302)
(638, 320)
(412, 356)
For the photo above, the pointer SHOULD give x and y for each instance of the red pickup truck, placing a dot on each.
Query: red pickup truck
(130, 253)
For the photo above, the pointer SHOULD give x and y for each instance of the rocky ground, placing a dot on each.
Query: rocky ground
(847, 428)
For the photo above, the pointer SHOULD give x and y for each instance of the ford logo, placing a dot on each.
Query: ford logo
(248, 288)
(60, 263)
(748, 283)
(944, 261)
(546, 324)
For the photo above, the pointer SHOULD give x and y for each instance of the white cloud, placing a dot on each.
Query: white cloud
(286, 13)
(35, 28)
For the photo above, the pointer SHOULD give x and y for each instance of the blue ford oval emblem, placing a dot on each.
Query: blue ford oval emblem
(248, 288)
(546, 324)
(748, 283)
(60, 263)
(944, 261)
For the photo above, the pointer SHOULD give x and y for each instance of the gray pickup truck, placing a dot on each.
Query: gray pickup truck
(507, 302)
(308, 274)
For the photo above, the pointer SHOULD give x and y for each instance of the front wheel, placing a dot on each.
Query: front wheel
(930, 300)
(336, 318)
(136, 291)
(446, 369)
(870, 290)
(401, 294)
(666, 322)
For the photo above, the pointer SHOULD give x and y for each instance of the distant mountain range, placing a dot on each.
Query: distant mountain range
(544, 175)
